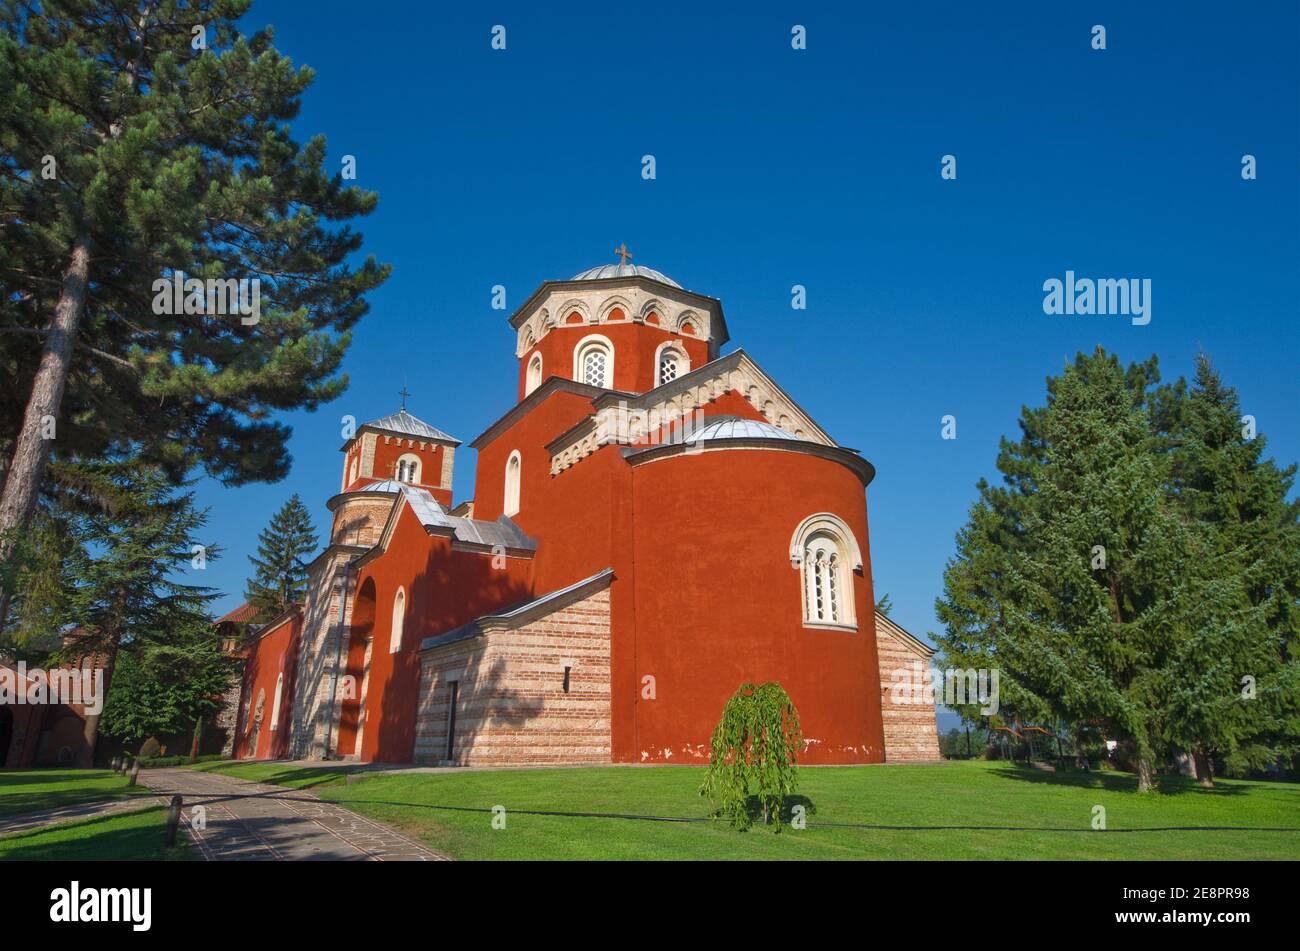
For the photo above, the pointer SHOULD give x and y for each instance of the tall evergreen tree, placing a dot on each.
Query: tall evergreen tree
(139, 141)
(122, 577)
(1066, 579)
(280, 565)
(1236, 690)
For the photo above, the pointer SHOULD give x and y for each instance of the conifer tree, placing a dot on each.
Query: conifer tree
(140, 141)
(125, 577)
(1236, 686)
(280, 578)
(1067, 578)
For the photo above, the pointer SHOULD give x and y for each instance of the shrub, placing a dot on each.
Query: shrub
(752, 755)
(150, 748)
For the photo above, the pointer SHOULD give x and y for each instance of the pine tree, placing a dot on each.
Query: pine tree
(1066, 578)
(1236, 691)
(122, 578)
(280, 577)
(139, 141)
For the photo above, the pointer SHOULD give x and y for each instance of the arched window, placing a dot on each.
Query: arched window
(826, 554)
(595, 364)
(399, 621)
(670, 363)
(275, 703)
(408, 468)
(352, 472)
(534, 377)
(514, 465)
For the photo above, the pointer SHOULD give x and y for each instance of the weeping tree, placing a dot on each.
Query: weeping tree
(752, 755)
(147, 141)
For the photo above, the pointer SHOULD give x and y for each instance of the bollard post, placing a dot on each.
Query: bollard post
(173, 819)
(134, 774)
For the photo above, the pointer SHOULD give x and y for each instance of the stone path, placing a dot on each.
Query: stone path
(260, 822)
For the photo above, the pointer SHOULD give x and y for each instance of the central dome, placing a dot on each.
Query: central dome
(623, 270)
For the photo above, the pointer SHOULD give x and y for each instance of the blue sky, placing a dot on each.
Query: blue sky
(818, 167)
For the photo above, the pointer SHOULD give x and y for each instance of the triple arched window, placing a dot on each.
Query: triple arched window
(514, 469)
(826, 554)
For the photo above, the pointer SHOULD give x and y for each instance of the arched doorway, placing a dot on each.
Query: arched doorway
(352, 689)
(6, 733)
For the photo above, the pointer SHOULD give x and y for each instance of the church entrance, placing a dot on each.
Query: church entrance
(6, 733)
(353, 687)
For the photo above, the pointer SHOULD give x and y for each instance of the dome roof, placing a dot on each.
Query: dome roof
(387, 485)
(733, 427)
(624, 270)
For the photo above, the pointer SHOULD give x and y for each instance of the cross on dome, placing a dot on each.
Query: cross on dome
(623, 253)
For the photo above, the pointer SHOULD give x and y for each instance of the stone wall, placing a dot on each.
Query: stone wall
(911, 733)
(511, 705)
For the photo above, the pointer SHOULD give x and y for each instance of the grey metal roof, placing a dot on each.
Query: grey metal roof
(624, 270)
(386, 485)
(474, 628)
(734, 427)
(403, 422)
(471, 531)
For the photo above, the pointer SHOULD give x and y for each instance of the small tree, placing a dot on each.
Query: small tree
(280, 564)
(752, 754)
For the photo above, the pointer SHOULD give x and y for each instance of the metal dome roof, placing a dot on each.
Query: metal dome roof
(387, 485)
(624, 270)
(733, 427)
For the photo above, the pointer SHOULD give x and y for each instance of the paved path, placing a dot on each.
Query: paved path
(260, 822)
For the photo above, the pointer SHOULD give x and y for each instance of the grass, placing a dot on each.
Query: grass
(136, 836)
(957, 810)
(32, 790)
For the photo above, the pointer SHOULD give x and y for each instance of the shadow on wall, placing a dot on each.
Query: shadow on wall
(447, 594)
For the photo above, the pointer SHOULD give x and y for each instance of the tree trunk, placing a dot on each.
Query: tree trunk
(32, 450)
(198, 733)
(90, 734)
(1146, 773)
(1204, 768)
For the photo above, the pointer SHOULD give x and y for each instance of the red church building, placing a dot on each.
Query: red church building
(653, 524)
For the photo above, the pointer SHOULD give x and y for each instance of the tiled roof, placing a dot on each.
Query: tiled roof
(240, 615)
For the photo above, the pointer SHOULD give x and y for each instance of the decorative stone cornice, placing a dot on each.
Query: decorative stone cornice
(648, 418)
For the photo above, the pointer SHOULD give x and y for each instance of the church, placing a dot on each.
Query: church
(653, 524)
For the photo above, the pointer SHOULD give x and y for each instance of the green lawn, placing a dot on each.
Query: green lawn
(132, 837)
(31, 790)
(958, 810)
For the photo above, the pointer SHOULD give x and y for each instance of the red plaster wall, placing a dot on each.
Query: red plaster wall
(717, 603)
(634, 353)
(274, 652)
(444, 589)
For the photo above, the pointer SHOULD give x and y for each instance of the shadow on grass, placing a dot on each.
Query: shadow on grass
(28, 791)
(1113, 781)
(137, 836)
(300, 778)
